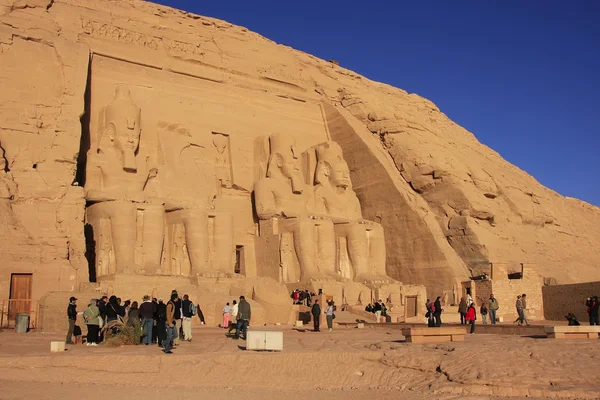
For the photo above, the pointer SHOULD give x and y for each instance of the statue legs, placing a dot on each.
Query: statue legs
(366, 249)
(196, 237)
(305, 245)
(223, 242)
(153, 236)
(122, 216)
(326, 248)
(377, 254)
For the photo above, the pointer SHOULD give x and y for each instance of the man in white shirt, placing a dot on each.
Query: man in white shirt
(234, 313)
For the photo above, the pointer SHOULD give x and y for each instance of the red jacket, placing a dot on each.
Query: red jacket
(471, 315)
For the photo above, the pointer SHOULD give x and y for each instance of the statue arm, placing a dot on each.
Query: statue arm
(266, 205)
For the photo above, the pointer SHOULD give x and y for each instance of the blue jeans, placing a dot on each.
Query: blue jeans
(147, 325)
(493, 316)
(242, 325)
(170, 336)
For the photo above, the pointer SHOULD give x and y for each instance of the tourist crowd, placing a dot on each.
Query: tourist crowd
(165, 324)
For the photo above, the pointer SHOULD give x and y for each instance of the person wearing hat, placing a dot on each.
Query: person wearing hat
(147, 311)
(72, 315)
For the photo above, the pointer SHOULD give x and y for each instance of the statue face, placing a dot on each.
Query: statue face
(339, 172)
(127, 135)
(290, 164)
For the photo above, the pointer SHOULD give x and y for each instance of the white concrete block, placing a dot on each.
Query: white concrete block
(264, 340)
(360, 325)
(299, 323)
(57, 346)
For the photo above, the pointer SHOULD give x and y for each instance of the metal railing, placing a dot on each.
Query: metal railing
(9, 308)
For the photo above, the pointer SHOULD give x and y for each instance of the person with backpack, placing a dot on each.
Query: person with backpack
(188, 311)
(91, 315)
(484, 312)
(146, 312)
(170, 325)
(429, 314)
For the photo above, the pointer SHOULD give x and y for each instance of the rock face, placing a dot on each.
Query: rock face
(443, 205)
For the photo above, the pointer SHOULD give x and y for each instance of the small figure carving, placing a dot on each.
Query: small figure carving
(223, 164)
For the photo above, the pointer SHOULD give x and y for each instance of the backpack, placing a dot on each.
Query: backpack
(193, 309)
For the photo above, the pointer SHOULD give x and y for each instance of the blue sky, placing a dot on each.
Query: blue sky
(523, 76)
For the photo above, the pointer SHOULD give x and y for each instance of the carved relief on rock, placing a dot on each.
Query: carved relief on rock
(283, 194)
(116, 178)
(222, 159)
(335, 200)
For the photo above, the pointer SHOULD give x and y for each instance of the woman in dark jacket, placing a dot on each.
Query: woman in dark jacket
(438, 312)
(112, 309)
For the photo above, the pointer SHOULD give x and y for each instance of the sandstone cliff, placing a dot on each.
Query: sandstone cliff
(449, 204)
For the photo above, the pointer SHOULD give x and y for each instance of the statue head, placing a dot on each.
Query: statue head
(122, 126)
(332, 166)
(284, 159)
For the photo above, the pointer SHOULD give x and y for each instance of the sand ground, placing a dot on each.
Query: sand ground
(347, 364)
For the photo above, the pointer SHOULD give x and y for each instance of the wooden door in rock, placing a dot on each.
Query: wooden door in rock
(411, 306)
(20, 295)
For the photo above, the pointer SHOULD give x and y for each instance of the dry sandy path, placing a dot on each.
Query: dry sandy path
(344, 364)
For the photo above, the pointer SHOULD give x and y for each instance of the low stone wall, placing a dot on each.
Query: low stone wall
(559, 300)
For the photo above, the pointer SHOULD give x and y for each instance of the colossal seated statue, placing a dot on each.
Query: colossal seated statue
(335, 200)
(116, 176)
(188, 190)
(283, 194)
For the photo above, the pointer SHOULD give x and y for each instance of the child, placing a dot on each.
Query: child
(77, 334)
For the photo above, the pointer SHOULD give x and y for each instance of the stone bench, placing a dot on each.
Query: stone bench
(264, 340)
(434, 335)
(572, 332)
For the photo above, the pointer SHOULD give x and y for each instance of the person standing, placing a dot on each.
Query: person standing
(316, 314)
(112, 309)
(233, 319)
(462, 309)
(484, 312)
(170, 324)
(133, 318)
(178, 318)
(493, 307)
(187, 309)
(91, 315)
(437, 312)
(519, 307)
(244, 316)
(471, 316)
(72, 316)
(376, 310)
(226, 315)
(161, 323)
(524, 309)
(429, 313)
(147, 315)
(593, 309)
(329, 315)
